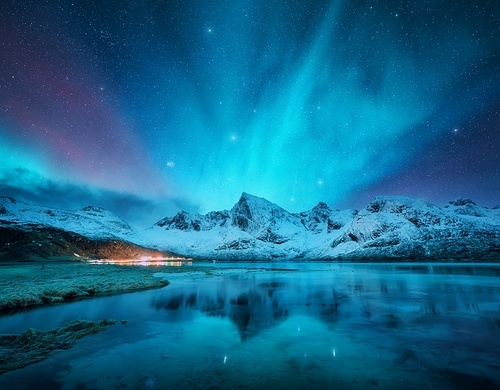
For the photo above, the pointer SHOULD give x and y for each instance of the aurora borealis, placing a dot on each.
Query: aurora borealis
(152, 106)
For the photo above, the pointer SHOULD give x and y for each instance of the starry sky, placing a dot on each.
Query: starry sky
(149, 107)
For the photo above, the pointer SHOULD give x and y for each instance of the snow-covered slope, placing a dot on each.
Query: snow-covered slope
(398, 228)
(394, 227)
(388, 228)
(31, 233)
(253, 229)
(91, 222)
(249, 230)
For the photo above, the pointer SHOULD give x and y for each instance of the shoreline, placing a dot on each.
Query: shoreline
(25, 286)
(33, 346)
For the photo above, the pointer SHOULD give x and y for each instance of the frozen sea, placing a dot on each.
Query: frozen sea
(283, 326)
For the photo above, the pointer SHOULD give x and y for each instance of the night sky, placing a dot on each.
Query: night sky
(149, 107)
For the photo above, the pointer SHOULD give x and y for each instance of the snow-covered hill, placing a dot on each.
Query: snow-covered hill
(398, 227)
(254, 228)
(91, 222)
(30, 233)
(388, 228)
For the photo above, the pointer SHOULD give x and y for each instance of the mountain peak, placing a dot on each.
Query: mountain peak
(397, 204)
(245, 196)
(250, 203)
(181, 221)
(252, 212)
(94, 209)
(462, 202)
(321, 206)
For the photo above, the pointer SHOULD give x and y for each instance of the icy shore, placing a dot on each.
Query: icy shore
(24, 286)
(27, 285)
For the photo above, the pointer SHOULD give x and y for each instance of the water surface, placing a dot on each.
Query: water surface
(295, 325)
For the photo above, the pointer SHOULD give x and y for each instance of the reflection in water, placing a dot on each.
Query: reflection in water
(258, 302)
(449, 269)
(251, 311)
(344, 326)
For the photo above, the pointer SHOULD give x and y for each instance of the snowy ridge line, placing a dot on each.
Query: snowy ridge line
(91, 222)
(389, 227)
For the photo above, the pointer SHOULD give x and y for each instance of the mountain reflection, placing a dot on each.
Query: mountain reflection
(388, 299)
(252, 310)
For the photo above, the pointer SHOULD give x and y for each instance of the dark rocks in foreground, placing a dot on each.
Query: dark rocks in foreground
(17, 351)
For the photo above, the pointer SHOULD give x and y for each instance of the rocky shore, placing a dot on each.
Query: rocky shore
(17, 351)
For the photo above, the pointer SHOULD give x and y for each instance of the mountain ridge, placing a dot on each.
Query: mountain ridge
(388, 228)
(31, 233)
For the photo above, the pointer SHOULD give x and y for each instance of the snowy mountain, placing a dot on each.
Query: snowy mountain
(29, 232)
(253, 228)
(388, 228)
(91, 222)
(396, 227)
